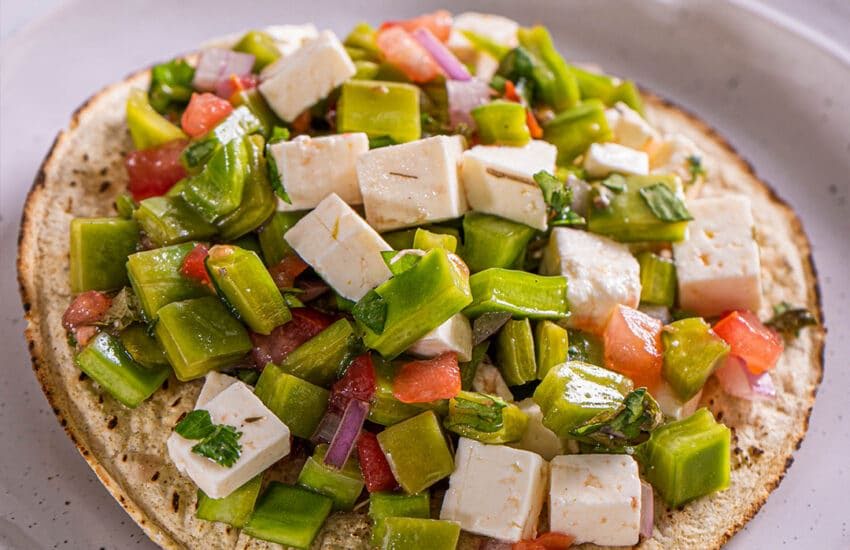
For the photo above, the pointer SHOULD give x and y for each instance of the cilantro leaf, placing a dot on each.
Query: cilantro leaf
(477, 411)
(559, 198)
(195, 425)
(278, 134)
(696, 168)
(123, 311)
(627, 425)
(371, 310)
(221, 446)
(381, 141)
(789, 320)
(664, 204)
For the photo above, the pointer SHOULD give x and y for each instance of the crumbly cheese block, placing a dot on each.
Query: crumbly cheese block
(537, 437)
(596, 498)
(675, 154)
(307, 75)
(343, 249)
(495, 491)
(600, 272)
(412, 183)
(454, 335)
(603, 159)
(499, 180)
(629, 128)
(489, 379)
(264, 441)
(718, 264)
(312, 168)
(289, 38)
(214, 383)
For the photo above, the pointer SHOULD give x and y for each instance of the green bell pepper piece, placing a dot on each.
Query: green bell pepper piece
(200, 335)
(235, 509)
(485, 418)
(318, 359)
(625, 215)
(687, 459)
(417, 452)
(552, 343)
(386, 410)
(298, 403)
(362, 37)
(692, 352)
(99, 251)
(607, 89)
(253, 100)
(171, 86)
(217, 191)
(515, 352)
(469, 368)
(628, 93)
(261, 45)
(427, 240)
(575, 392)
(520, 293)
(501, 122)
(396, 505)
(657, 279)
(170, 220)
(343, 486)
(433, 534)
(366, 70)
(585, 347)
(418, 301)
(147, 127)
(125, 206)
(379, 109)
(491, 241)
(288, 515)
(243, 281)
(401, 239)
(106, 362)
(557, 86)
(249, 242)
(142, 347)
(275, 248)
(574, 130)
(241, 122)
(157, 281)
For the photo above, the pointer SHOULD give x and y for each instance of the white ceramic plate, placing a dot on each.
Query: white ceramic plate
(780, 96)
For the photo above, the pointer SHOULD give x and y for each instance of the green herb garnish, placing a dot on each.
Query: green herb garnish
(380, 141)
(278, 134)
(789, 320)
(615, 183)
(627, 425)
(123, 311)
(477, 411)
(559, 198)
(371, 310)
(218, 442)
(664, 204)
(696, 168)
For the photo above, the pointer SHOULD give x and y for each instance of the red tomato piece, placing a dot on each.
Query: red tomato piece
(87, 308)
(533, 127)
(194, 265)
(546, 541)
(632, 341)
(749, 339)
(203, 113)
(152, 172)
(428, 379)
(374, 465)
(358, 382)
(438, 22)
(285, 271)
(510, 92)
(272, 348)
(226, 87)
(403, 51)
(83, 334)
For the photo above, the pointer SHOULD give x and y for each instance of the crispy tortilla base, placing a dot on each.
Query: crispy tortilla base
(82, 174)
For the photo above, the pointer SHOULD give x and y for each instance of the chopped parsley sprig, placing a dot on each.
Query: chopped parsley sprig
(218, 442)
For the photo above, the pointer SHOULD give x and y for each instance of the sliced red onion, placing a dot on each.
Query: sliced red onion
(328, 426)
(647, 510)
(346, 435)
(463, 96)
(737, 380)
(447, 61)
(217, 63)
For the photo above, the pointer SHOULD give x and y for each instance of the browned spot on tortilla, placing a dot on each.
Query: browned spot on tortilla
(175, 501)
(112, 423)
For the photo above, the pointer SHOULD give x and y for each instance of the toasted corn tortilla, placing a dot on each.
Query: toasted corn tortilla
(83, 173)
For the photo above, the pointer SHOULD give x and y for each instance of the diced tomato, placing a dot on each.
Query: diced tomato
(152, 172)
(546, 541)
(358, 382)
(305, 324)
(302, 122)
(632, 342)
(284, 272)
(438, 22)
(749, 339)
(226, 87)
(533, 127)
(203, 113)
(83, 334)
(510, 92)
(374, 465)
(428, 379)
(194, 266)
(403, 51)
(86, 309)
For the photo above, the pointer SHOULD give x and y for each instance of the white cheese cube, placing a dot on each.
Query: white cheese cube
(600, 272)
(412, 183)
(671, 405)
(718, 264)
(308, 75)
(313, 168)
(537, 437)
(488, 379)
(455, 335)
(499, 181)
(596, 499)
(264, 441)
(214, 383)
(495, 491)
(676, 154)
(289, 38)
(603, 159)
(500, 30)
(341, 247)
(629, 128)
